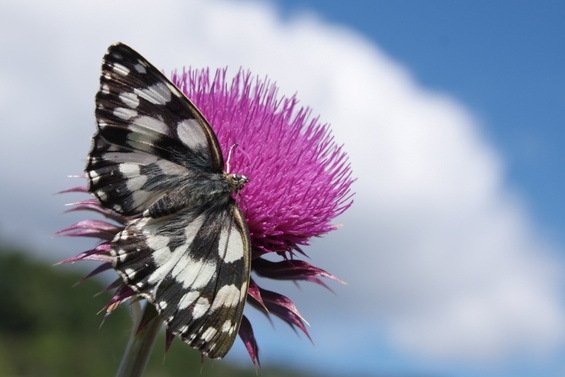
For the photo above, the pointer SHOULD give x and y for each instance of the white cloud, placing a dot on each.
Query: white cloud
(445, 253)
(437, 248)
(444, 250)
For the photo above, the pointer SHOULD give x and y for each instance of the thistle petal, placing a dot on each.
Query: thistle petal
(91, 228)
(291, 269)
(255, 293)
(100, 253)
(248, 338)
(282, 307)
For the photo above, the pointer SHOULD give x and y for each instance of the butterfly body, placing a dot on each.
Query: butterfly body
(156, 160)
(211, 190)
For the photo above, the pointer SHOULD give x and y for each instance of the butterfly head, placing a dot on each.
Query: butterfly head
(236, 181)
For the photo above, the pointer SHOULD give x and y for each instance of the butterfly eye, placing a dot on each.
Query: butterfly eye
(237, 181)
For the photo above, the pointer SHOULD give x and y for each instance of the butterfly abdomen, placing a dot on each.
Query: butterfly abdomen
(212, 190)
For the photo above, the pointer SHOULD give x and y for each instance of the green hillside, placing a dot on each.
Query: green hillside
(48, 328)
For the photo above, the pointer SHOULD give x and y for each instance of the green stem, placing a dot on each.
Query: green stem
(140, 343)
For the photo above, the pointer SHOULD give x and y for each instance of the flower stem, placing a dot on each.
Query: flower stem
(141, 342)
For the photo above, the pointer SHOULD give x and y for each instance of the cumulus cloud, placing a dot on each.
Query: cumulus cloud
(440, 246)
(437, 250)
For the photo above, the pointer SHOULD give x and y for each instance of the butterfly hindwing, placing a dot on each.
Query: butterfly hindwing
(191, 266)
(186, 246)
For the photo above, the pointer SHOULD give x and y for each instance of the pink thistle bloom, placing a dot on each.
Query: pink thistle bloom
(299, 181)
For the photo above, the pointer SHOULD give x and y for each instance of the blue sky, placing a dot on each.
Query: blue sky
(504, 59)
(506, 62)
(452, 115)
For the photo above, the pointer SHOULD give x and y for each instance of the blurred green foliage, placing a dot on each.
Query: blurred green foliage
(50, 328)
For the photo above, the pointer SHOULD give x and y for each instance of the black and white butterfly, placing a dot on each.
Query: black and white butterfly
(156, 161)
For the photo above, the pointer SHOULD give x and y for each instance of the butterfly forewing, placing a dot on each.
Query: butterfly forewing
(149, 135)
(186, 247)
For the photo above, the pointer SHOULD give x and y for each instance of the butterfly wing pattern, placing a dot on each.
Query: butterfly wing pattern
(156, 160)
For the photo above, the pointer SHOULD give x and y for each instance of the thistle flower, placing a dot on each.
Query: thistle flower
(299, 181)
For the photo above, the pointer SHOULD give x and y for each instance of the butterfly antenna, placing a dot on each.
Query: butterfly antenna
(229, 157)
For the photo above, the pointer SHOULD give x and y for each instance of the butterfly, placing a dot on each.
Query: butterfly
(156, 161)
